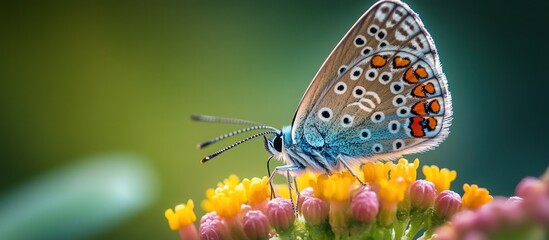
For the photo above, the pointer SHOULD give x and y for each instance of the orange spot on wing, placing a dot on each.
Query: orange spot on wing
(421, 72)
(410, 77)
(378, 61)
(434, 106)
(429, 88)
(431, 123)
(419, 108)
(399, 62)
(416, 128)
(418, 92)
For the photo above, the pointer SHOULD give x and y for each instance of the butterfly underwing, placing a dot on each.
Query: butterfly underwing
(381, 93)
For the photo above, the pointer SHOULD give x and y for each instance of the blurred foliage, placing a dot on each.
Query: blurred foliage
(79, 200)
(80, 78)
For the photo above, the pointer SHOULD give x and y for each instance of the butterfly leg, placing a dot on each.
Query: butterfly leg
(286, 168)
(269, 174)
(297, 197)
(289, 177)
(351, 170)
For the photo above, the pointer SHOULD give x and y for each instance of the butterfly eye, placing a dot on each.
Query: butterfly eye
(277, 143)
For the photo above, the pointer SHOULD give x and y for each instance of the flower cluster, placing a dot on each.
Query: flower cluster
(392, 204)
(525, 216)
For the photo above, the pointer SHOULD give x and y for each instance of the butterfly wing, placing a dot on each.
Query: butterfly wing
(381, 92)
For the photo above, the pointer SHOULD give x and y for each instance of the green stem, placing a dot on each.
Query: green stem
(338, 217)
(289, 233)
(321, 231)
(360, 230)
(420, 218)
(401, 223)
(380, 231)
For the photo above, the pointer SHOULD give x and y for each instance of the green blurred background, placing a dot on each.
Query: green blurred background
(83, 78)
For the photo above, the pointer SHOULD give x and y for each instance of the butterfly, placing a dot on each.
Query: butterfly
(381, 93)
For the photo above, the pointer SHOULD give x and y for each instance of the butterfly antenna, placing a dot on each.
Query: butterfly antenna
(214, 119)
(237, 132)
(215, 154)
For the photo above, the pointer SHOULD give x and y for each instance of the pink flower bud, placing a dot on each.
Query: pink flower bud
(447, 203)
(474, 235)
(315, 210)
(538, 209)
(280, 213)
(530, 187)
(464, 220)
(256, 225)
(491, 217)
(303, 195)
(446, 232)
(245, 208)
(514, 200)
(210, 217)
(535, 194)
(422, 194)
(365, 206)
(211, 227)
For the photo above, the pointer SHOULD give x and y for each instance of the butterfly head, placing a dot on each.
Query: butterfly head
(276, 145)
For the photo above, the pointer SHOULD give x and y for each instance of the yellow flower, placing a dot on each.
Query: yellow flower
(305, 179)
(405, 170)
(257, 189)
(182, 216)
(230, 182)
(336, 187)
(227, 205)
(207, 205)
(442, 178)
(474, 197)
(281, 190)
(227, 198)
(392, 191)
(375, 172)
